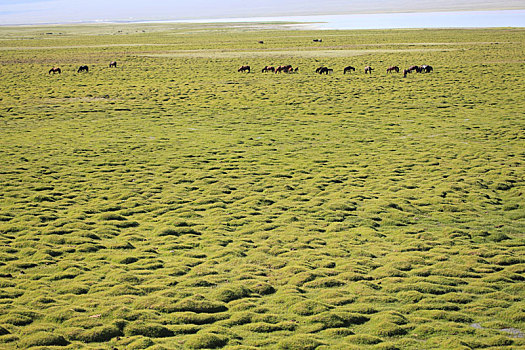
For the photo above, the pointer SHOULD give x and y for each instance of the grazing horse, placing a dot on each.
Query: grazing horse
(83, 69)
(268, 69)
(261, 42)
(55, 70)
(285, 69)
(244, 69)
(348, 69)
(318, 40)
(325, 70)
(368, 69)
(405, 72)
(113, 64)
(319, 69)
(415, 68)
(426, 68)
(392, 69)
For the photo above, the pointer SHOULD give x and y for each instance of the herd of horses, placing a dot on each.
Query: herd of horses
(279, 69)
(418, 69)
(80, 69)
(290, 69)
(325, 70)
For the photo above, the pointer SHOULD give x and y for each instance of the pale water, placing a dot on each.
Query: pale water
(458, 19)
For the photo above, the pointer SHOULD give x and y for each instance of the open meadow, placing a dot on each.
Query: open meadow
(173, 202)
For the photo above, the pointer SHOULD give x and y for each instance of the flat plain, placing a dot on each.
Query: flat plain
(175, 203)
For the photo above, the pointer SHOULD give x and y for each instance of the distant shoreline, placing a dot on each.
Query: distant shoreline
(265, 19)
(379, 20)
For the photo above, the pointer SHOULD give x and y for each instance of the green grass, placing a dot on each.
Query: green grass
(174, 203)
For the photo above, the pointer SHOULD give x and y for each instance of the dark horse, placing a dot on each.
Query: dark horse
(368, 69)
(55, 70)
(414, 68)
(426, 68)
(348, 69)
(392, 69)
(325, 70)
(244, 69)
(113, 64)
(83, 69)
(268, 69)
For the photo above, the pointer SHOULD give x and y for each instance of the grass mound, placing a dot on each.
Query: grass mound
(199, 304)
(299, 342)
(42, 339)
(206, 341)
(151, 330)
(95, 335)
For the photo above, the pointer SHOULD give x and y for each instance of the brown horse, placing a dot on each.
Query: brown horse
(348, 69)
(244, 69)
(113, 64)
(392, 69)
(415, 68)
(268, 69)
(325, 70)
(368, 69)
(55, 70)
(285, 69)
(83, 69)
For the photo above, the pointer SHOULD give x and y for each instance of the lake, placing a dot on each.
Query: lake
(456, 19)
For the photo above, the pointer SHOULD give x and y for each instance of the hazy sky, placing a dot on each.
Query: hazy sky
(65, 11)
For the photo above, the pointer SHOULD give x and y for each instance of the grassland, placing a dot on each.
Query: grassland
(174, 203)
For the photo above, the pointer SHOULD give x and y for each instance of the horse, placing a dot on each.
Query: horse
(244, 69)
(426, 68)
(348, 69)
(318, 40)
(319, 69)
(285, 69)
(261, 42)
(414, 68)
(268, 69)
(368, 69)
(113, 64)
(326, 70)
(392, 69)
(55, 70)
(83, 69)
(405, 72)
